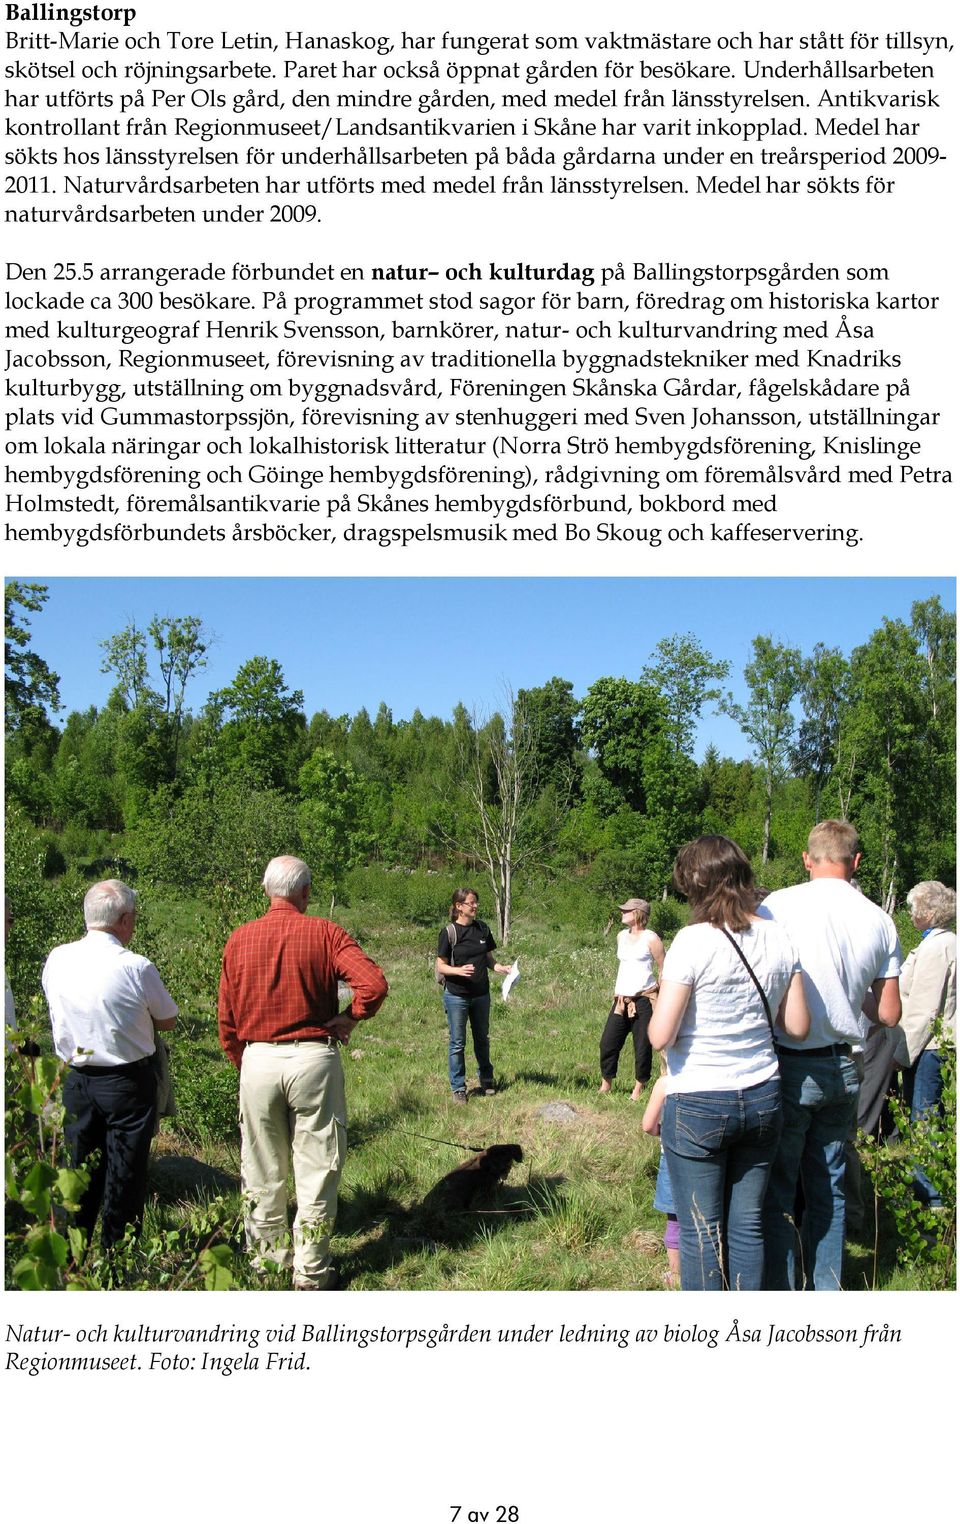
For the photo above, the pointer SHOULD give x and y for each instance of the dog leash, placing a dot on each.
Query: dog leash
(468, 1148)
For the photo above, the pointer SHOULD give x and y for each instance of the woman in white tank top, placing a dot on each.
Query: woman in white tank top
(640, 957)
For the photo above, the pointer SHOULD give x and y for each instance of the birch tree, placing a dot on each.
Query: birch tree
(510, 822)
(685, 675)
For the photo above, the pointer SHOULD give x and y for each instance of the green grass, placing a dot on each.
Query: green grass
(576, 1214)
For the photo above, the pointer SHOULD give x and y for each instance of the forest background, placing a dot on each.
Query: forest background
(556, 805)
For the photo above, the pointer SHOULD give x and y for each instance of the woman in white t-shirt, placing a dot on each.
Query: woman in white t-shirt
(639, 960)
(722, 1117)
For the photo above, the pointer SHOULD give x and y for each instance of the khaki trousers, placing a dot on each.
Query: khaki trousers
(292, 1106)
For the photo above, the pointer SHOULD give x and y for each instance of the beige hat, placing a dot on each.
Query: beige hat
(635, 904)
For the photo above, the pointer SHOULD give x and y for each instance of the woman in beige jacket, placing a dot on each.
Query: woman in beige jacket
(928, 986)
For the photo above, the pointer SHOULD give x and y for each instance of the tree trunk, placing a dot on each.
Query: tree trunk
(767, 817)
(497, 897)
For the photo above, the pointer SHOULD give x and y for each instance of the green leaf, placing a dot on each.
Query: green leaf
(47, 1071)
(46, 1075)
(26, 1276)
(216, 1265)
(71, 1183)
(35, 1190)
(48, 1247)
(10, 1178)
(36, 1098)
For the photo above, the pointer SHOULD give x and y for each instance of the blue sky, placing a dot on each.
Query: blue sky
(428, 642)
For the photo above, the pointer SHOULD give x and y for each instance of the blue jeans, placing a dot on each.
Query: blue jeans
(719, 1146)
(819, 1104)
(926, 1090)
(460, 1009)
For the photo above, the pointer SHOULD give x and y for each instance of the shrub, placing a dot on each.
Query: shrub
(565, 904)
(778, 872)
(46, 1251)
(618, 873)
(667, 917)
(46, 911)
(404, 894)
(207, 837)
(928, 1239)
(206, 1093)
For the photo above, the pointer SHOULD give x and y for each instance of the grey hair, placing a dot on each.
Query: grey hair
(105, 903)
(933, 902)
(285, 877)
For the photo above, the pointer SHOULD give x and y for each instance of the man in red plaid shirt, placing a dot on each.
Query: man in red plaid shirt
(280, 1024)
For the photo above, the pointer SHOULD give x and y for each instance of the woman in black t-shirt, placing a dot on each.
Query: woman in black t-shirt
(463, 962)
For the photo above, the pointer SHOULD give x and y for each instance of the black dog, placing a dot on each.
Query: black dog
(456, 1191)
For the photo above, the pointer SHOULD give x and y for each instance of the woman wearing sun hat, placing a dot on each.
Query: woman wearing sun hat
(640, 959)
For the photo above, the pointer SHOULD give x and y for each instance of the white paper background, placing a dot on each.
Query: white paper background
(562, 1433)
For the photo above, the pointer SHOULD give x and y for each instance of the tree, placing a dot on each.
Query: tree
(551, 713)
(181, 646)
(332, 817)
(883, 763)
(212, 834)
(670, 783)
(329, 731)
(125, 655)
(361, 744)
(824, 694)
(729, 791)
(83, 790)
(934, 629)
(508, 822)
(260, 723)
(424, 788)
(685, 674)
(642, 781)
(46, 910)
(773, 678)
(618, 720)
(31, 687)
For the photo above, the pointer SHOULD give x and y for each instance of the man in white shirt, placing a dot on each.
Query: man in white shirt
(105, 1005)
(846, 946)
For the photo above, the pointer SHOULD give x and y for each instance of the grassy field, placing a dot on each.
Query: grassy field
(577, 1214)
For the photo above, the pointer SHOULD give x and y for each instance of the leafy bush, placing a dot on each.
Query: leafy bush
(566, 904)
(621, 872)
(667, 917)
(407, 895)
(54, 862)
(79, 842)
(928, 1238)
(46, 1251)
(45, 912)
(206, 1094)
(778, 872)
(206, 836)
(41, 1191)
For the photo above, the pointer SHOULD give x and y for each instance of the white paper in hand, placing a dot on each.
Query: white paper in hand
(511, 980)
